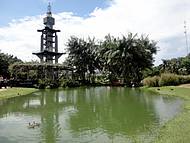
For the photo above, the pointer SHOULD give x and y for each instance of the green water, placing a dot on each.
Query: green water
(101, 114)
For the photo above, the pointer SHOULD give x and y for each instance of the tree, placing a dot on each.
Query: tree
(82, 56)
(180, 65)
(120, 58)
(128, 57)
(5, 61)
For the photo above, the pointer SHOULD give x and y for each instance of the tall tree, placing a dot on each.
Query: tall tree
(82, 56)
(128, 56)
(121, 58)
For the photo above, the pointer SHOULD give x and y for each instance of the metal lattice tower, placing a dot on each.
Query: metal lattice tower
(49, 40)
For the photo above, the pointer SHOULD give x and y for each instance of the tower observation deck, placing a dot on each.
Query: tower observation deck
(49, 41)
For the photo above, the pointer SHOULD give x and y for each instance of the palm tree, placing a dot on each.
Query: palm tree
(127, 57)
(83, 57)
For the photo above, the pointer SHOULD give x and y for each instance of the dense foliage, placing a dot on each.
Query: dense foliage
(5, 61)
(166, 79)
(42, 75)
(82, 56)
(171, 72)
(180, 66)
(122, 59)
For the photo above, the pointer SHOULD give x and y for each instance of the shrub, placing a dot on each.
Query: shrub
(69, 83)
(151, 81)
(47, 83)
(41, 84)
(168, 79)
(184, 79)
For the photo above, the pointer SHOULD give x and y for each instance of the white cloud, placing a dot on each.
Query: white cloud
(160, 19)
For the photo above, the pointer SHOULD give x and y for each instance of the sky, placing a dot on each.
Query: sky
(161, 20)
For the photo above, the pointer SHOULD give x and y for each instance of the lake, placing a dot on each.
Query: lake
(82, 115)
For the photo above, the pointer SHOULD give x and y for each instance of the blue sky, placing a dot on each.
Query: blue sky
(161, 20)
(15, 9)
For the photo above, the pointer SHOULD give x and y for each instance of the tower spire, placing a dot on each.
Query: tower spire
(49, 10)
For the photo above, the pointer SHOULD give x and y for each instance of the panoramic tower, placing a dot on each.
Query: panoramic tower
(49, 41)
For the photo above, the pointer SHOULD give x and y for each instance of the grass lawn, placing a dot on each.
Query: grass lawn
(178, 129)
(13, 92)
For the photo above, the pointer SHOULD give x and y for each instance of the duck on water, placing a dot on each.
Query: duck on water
(33, 125)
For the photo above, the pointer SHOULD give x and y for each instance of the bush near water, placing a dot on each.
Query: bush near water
(166, 79)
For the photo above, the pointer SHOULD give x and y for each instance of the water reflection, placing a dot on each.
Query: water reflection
(101, 114)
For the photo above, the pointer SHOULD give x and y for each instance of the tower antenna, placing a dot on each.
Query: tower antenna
(185, 32)
(49, 9)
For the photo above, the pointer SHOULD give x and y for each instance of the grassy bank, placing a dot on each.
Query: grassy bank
(178, 129)
(13, 92)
